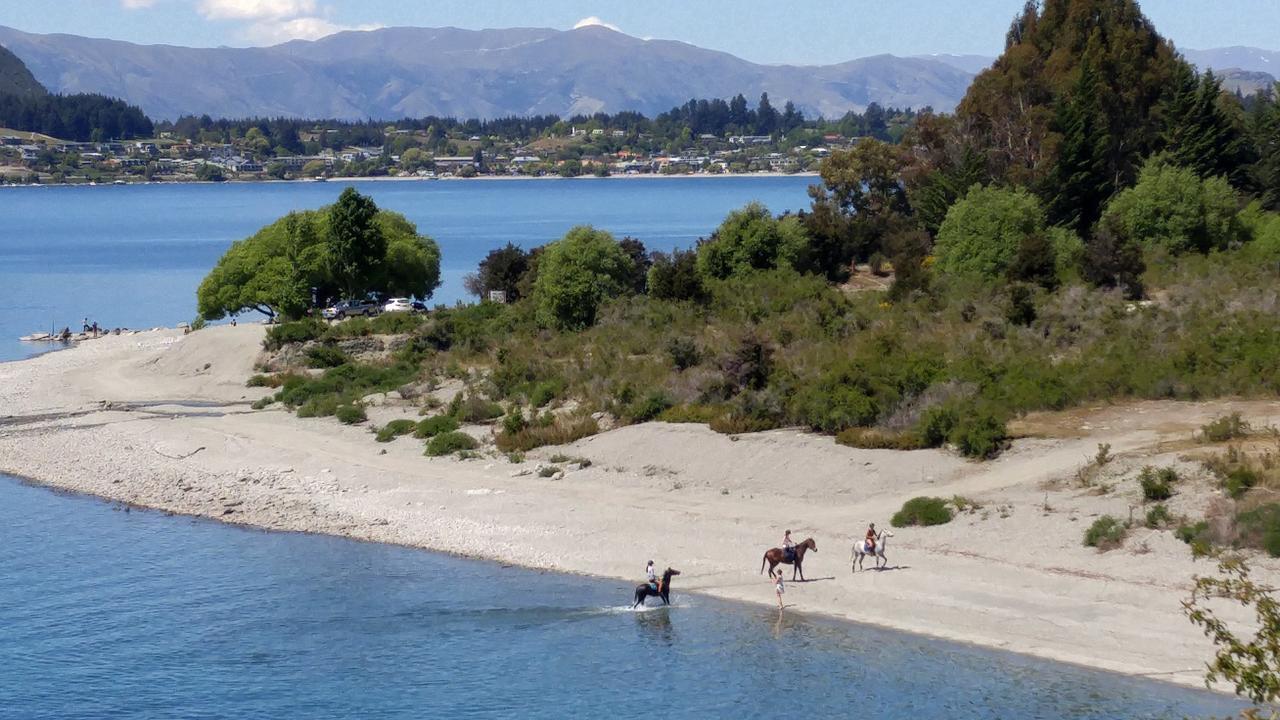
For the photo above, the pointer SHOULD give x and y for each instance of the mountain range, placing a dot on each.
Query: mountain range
(414, 72)
(15, 78)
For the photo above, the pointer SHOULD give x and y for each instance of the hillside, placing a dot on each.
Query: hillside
(413, 72)
(15, 78)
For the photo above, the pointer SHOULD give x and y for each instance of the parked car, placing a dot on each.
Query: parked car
(419, 306)
(351, 308)
(398, 305)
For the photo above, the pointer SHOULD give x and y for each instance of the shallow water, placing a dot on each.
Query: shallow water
(132, 256)
(136, 614)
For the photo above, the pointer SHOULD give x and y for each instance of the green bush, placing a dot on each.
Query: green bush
(1105, 533)
(751, 239)
(546, 391)
(319, 406)
(1260, 528)
(1157, 485)
(1229, 427)
(263, 381)
(299, 331)
(514, 421)
(475, 409)
(876, 439)
(350, 414)
(576, 274)
(1239, 481)
(1172, 208)
(261, 403)
(395, 429)
(325, 356)
(647, 408)
(561, 432)
(1158, 517)
(684, 353)
(396, 323)
(979, 435)
(923, 511)
(435, 425)
(449, 443)
(983, 231)
(696, 414)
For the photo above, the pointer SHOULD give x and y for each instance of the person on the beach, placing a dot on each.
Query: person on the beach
(652, 577)
(788, 547)
(871, 539)
(778, 587)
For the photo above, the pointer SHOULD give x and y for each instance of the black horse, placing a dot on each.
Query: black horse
(644, 590)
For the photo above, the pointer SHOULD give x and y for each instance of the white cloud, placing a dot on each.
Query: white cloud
(256, 9)
(137, 4)
(271, 32)
(594, 21)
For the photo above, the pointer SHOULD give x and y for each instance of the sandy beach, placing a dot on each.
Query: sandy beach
(162, 420)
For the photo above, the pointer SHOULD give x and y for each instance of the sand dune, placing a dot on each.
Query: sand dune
(163, 420)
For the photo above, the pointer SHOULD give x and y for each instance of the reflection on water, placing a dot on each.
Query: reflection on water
(142, 615)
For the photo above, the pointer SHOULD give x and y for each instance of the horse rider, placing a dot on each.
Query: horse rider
(788, 547)
(652, 576)
(870, 546)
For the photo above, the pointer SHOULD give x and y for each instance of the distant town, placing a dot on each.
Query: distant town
(201, 149)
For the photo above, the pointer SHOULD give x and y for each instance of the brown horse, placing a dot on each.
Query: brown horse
(774, 556)
(643, 590)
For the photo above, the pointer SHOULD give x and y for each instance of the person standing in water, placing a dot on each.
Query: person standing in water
(779, 588)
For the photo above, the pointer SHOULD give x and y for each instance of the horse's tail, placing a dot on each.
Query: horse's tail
(764, 560)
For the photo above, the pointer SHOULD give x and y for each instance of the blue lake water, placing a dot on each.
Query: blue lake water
(112, 614)
(132, 256)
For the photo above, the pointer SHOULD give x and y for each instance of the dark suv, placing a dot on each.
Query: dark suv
(351, 308)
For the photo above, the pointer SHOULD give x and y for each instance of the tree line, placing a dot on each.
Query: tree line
(81, 117)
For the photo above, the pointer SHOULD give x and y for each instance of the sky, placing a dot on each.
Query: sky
(773, 31)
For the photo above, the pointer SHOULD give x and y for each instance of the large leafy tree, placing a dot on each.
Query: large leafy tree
(1010, 109)
(984, 231)
(861, 198)
(576, 274)
(500, 270)
(356, 245)
(751, 239)
(275, 270)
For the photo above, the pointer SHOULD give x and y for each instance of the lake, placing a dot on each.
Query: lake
(110, 613)
(132, 256)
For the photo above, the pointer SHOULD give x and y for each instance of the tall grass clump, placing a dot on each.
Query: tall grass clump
(1106, 533)
(449, 443)
(923, 511)
(395, 429)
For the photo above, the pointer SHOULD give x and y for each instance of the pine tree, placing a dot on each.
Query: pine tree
(1081, 180)
(1265, 130)
(1200, 133)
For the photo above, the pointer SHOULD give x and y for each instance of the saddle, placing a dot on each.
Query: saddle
(789, 554)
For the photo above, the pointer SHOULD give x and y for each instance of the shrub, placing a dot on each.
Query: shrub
(647, 408)
(319, 406)
(513, 422)
(271, 381)
(923, 511)
(1172, 208)
(547, 471)
(1191, 534)
(1239, 481)
(288, 333)
(350, 414)
(1230, 427)
(546, 391)
(261, 403)
(979, 434)
(877, 439)
(1157, 485)
(675, 277)
(1158, 517)
(325, 356)
(449, 443)
(1105, 533)
(751, 239)
(475, 409)
(1260, 528)
(684, 353)
(560, 432)
(983, 231)
(395, 429)
(396, 323)
(435, 425)
(576, 274)
(697, 414)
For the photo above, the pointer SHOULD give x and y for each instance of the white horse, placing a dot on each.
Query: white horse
(860, 551)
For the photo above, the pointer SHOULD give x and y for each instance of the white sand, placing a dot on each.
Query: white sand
(162, 420)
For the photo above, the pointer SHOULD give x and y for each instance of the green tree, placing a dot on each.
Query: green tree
(501, 270)
(1264, 127)
(751, 239)
(860, 200)
(1081, 181)
(1201, 133)
(576, 274)
(984, 231)
(1173, 208)
(356, 245)
(675, 276)
(274, 270)
(1252, 665)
